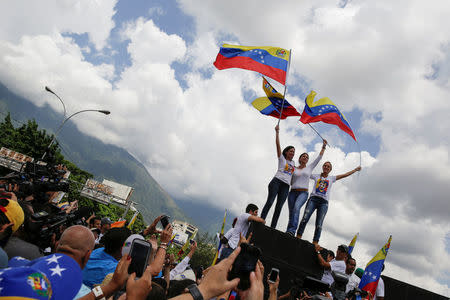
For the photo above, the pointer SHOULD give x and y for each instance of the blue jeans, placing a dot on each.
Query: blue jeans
(296, 199)
(322, 207)
(279, 189)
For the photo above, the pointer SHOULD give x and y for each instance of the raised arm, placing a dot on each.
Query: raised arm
(319, 157)
(324, 145)
(348, 173)
(322, 261)
(277, 140)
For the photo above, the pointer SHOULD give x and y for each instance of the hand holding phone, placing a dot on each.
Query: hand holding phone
(244, 264)
(273, 275)
(139, 252)
(164, 221)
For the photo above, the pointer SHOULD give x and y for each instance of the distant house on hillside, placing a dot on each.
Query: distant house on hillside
(183, 231)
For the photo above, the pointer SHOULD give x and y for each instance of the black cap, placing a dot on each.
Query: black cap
(343, 248)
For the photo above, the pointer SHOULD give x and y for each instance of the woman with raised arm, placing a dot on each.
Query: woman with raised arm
(299, 187)
(319, 199)
(279, 185)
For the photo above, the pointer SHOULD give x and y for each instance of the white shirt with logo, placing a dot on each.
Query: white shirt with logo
(322, 186)
(285, 169)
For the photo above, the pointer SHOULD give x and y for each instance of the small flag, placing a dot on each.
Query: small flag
(326, 111)
(270, 61)
(220, 243)
(133, 219)
(352, 244)
(369, 280)
(271, 105)
(118, 224)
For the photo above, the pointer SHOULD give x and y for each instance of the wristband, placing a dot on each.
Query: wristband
(193, 289)
(163, 247)
(98, 293)
(318, 252)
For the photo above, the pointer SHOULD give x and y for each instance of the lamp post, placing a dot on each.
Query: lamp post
(106, 112)
(64, 106)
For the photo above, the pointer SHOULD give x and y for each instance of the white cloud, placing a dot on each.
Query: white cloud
(207, 143)
(50, 17)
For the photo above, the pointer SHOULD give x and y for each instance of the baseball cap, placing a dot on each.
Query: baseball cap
(343, 248)
(12, 210)
(127, 245)
(57, 276)
(106, 220)
(187, 274)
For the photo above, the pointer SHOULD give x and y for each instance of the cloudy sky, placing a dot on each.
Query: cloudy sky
(386, 64)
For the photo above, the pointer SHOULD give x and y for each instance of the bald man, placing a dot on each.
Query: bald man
(77, 242)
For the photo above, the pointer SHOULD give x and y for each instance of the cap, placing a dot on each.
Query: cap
(57, 276)
(127, 245)
(343, 248)
(359, 272)
(13, 212)
(106, 220)
(187, 274)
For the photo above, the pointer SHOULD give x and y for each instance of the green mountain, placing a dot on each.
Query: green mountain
(103, 160)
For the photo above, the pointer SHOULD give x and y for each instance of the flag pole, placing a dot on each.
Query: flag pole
(285, 86)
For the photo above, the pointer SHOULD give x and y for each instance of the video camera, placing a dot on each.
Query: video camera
(44, 225)
(310, 285)
(38, 178)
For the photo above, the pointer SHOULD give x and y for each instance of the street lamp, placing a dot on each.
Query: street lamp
(106, 112)
(50, 91)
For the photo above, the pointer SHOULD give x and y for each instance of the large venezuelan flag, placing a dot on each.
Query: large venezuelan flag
(271, 105)
(369, 280)
(326, 111)
(270, 61)
(352, 244)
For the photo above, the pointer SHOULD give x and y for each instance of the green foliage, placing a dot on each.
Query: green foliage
(29, 140)
(206, 250)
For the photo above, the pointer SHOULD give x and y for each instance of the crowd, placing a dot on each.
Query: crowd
(91, 260)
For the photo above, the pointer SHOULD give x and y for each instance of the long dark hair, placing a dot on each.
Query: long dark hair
(285, 150)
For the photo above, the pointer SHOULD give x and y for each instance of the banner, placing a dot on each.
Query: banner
(106, 192)
(13, 160)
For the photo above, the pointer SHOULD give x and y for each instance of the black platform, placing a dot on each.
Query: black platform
(295, 258)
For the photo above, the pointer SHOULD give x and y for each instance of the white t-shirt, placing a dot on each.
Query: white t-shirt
(285, 169)
(353, 281)
(380, 288)
(337, 266)
(242, 224)
(232, 236)
(322, 186)
(300, 178)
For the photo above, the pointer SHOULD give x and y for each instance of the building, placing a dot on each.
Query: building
(183, 232)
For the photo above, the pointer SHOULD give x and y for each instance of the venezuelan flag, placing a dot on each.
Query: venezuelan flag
(270, 61)
(271, 105)
(326, 111)
(352, 244)
(372, 273)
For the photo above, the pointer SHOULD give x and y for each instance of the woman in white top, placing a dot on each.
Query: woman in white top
(319, 199)
(299, 187)
(279, 186)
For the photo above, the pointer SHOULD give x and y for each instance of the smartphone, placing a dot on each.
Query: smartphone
(165, 221)
(140, 252)
(273, 275)
(244, 264)
(192, 242)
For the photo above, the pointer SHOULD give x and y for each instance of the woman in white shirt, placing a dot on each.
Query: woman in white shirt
(299, 187)
(319, 199)
(279, 185)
